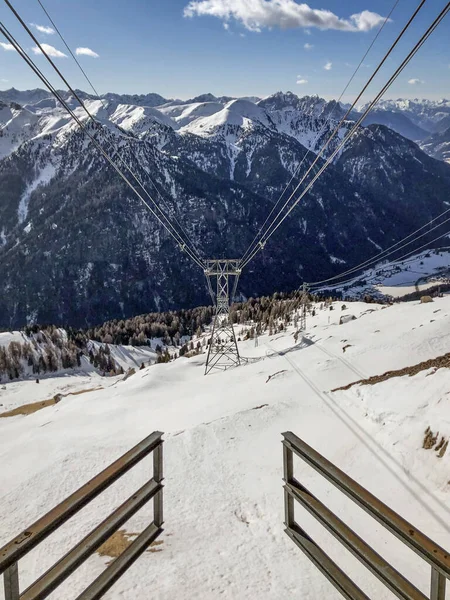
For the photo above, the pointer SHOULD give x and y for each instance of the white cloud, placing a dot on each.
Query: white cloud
(328, 66)
(366, 20)
(308, 46)
(285, 14)
(4, 80)
(86, 52)
(301, 80)
(226, 26)
(415, 81)
(43, 29)
(7, 47)
(50, 50)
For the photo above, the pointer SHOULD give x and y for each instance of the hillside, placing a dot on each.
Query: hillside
(77, 248)
(223, 455)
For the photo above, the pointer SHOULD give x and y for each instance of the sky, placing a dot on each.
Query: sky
(183, 48)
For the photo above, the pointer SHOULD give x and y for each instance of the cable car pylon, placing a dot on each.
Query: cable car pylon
(223, 351)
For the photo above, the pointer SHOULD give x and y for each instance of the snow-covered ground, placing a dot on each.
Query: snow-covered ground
(397, 278)
(223, 500)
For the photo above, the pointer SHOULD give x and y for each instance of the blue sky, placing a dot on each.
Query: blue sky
(180, 49)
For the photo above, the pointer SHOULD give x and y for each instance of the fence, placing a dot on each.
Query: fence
(294, 491)
(43, 527)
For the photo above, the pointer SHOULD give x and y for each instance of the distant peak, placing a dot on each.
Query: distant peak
(203, 98)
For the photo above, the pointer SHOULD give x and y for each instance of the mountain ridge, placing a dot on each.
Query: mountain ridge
(77, 247)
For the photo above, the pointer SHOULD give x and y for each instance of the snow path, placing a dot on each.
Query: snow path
(223, 462)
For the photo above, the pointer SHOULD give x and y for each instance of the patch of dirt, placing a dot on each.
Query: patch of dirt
(120, 541)
(29, 409)
(345, 347)
(438, 363)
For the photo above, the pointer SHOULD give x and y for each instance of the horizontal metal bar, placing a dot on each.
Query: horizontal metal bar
(44, 526)
(46, 584)
(391, 578)
(407, 533)
(116, 569)
(324, 563)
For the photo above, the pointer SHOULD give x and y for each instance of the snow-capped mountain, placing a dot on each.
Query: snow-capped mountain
(426, 114)
(77, 247)
(397, 121)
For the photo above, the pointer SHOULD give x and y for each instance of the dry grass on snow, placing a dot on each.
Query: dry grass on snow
(28, 409)
(433, 363)
(120, 541)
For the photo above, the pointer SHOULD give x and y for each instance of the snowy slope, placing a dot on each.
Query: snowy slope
(17, 125)
(183, 114)
(223, 498)
(424, 113)
(396, 278)
(438, 145)
(139, 119)
(236, 114)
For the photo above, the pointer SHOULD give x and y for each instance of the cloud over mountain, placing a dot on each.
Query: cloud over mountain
(284, 14)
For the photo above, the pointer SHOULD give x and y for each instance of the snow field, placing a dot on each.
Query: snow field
(399, 277)
(223, 500)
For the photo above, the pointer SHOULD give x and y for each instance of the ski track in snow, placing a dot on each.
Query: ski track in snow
(223, 499)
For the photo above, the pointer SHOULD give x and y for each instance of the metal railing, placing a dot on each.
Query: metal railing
(294, 491)
(43, 527)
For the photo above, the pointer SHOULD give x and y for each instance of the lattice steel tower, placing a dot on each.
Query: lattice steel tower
(223, 351)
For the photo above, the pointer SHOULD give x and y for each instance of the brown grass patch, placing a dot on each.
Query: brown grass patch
(29, 409)
(436, 363)
(120, 541)
(431, 440)
(116, 544)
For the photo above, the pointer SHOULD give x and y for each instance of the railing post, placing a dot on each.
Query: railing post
(158, 476)
(437, 585)
(288, 474)
(11, 582)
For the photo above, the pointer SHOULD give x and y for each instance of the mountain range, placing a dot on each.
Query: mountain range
(77, 247)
